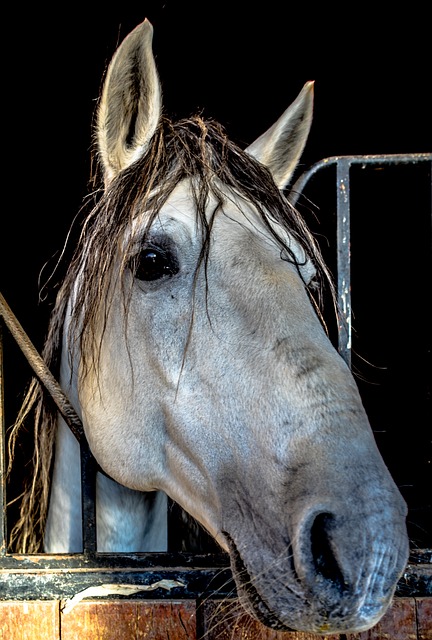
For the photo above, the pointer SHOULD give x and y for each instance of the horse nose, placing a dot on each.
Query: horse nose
(338, 553)
(322, 555)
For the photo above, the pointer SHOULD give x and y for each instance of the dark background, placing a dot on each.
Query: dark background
(243, 64)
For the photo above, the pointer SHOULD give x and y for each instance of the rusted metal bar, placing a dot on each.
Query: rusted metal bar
(48, 577)
(344, 258)
(41, 370)
(343, 165)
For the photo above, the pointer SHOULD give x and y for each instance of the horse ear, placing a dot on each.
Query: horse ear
(130, 103)
(281, 146)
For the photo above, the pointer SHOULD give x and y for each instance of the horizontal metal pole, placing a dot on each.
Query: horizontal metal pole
(45, 577)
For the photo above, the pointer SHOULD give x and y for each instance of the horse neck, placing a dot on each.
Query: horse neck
(126, 520)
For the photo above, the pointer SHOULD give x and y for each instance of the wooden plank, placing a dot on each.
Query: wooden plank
(130, 619)
(399, 623)
(407, 619)
(29, 620)
(424, 618)
(225, 620)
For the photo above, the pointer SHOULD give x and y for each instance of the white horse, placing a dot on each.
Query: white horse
(188, 341)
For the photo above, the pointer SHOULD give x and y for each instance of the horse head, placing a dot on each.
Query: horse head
(203, 368)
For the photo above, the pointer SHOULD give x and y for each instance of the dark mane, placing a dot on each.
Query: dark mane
(192, 148)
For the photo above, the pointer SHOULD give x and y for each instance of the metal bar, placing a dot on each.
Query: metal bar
(50, 577)
(41, 370)
(378, 160)
(52, 584)
(343, 165)
(344, 258)
(88, 498)
(106, 561)
(143, 561)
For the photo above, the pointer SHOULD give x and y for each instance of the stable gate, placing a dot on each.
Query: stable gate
(188, 593)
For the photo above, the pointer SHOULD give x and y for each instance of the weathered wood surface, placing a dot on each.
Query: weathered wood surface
(408, 619)
(33, 620)
(127, 619)
(130, 619)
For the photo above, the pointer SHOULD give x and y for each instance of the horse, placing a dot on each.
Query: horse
(188, 335)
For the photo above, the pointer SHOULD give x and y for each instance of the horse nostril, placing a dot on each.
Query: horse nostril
(323, 556)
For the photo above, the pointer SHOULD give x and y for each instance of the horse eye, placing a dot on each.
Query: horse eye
(154, 263)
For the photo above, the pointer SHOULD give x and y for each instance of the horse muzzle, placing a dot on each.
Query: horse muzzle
(331, 576)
